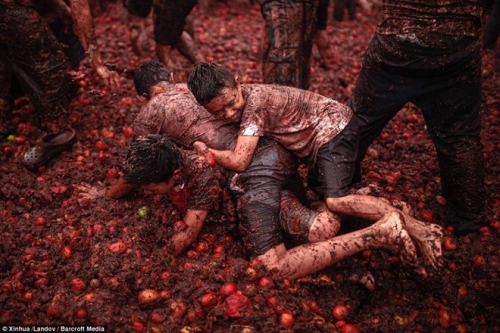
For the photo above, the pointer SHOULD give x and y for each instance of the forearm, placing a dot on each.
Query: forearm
(194, 220)
(228, 160)
(120, 189)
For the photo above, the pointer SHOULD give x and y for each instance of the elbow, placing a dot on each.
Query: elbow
(240, 167)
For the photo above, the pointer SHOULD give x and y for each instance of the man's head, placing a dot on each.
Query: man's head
(153, 163)
(149, 74)
(217, 90)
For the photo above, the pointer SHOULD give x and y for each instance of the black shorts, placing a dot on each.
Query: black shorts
(140, 8)
(169, 19)
(336, 161)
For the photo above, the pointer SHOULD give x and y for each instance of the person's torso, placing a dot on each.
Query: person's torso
(176, 114)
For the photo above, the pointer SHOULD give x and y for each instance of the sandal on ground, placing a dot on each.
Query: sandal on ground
(48, 147)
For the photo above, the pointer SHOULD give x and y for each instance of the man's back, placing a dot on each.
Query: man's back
(175, 113)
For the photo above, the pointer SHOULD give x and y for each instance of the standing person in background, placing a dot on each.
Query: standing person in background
(169, 20)
(492, 27)
(339, 8)
(288, 39)
(428, 53)
(32, 57)
(31, 54)
(321, 38)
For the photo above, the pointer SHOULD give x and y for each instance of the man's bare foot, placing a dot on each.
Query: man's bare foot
(428, 237)
(392, 235)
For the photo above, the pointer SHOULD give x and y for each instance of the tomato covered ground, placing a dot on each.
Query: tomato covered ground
(65, 260)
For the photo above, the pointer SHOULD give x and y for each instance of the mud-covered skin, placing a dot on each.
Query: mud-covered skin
(293, 117)
(432, 60)
(287, 42)
(176, 114)
(36, 58)
(201, 186)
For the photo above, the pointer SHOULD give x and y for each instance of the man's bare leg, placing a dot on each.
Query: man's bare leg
(325, 226)
(324, 47)
(163, 54)
(388, 233)
(427, 236)
(313, 224)
(138, 35)
(187, 47)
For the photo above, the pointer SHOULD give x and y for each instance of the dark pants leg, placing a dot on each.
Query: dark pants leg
(445, 84)
(492, 28)
(36, 59)
(288, 39)
(169, 19)
(452, 116)
(322, 14)
(259, 197)
(338, 9)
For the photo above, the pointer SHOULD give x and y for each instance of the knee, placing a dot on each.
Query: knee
(325, 226)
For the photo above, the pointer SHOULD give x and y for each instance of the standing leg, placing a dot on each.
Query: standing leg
(452, 117)
(376, 99)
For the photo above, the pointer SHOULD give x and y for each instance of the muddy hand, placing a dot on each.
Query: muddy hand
(199, 146)
(90, 192)
(110, 78)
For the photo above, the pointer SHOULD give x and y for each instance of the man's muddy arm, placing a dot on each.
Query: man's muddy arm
(194, 220)
(120, 189)
(237, 159)
(84, 28)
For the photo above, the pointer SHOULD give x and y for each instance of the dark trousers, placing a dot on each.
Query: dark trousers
(492, 27)
(445, 83)
(30, 52)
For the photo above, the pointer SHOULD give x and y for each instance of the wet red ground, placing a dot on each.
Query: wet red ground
(64, 260)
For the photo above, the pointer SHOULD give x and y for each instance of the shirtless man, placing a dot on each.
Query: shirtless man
(320, 131)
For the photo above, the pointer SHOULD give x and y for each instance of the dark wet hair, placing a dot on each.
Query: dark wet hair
(151, 159)
(148, 75)
(208, 80)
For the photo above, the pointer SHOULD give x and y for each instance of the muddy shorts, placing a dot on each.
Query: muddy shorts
(336, 161)
(288, 38)
(258, 193)
(169, 19)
